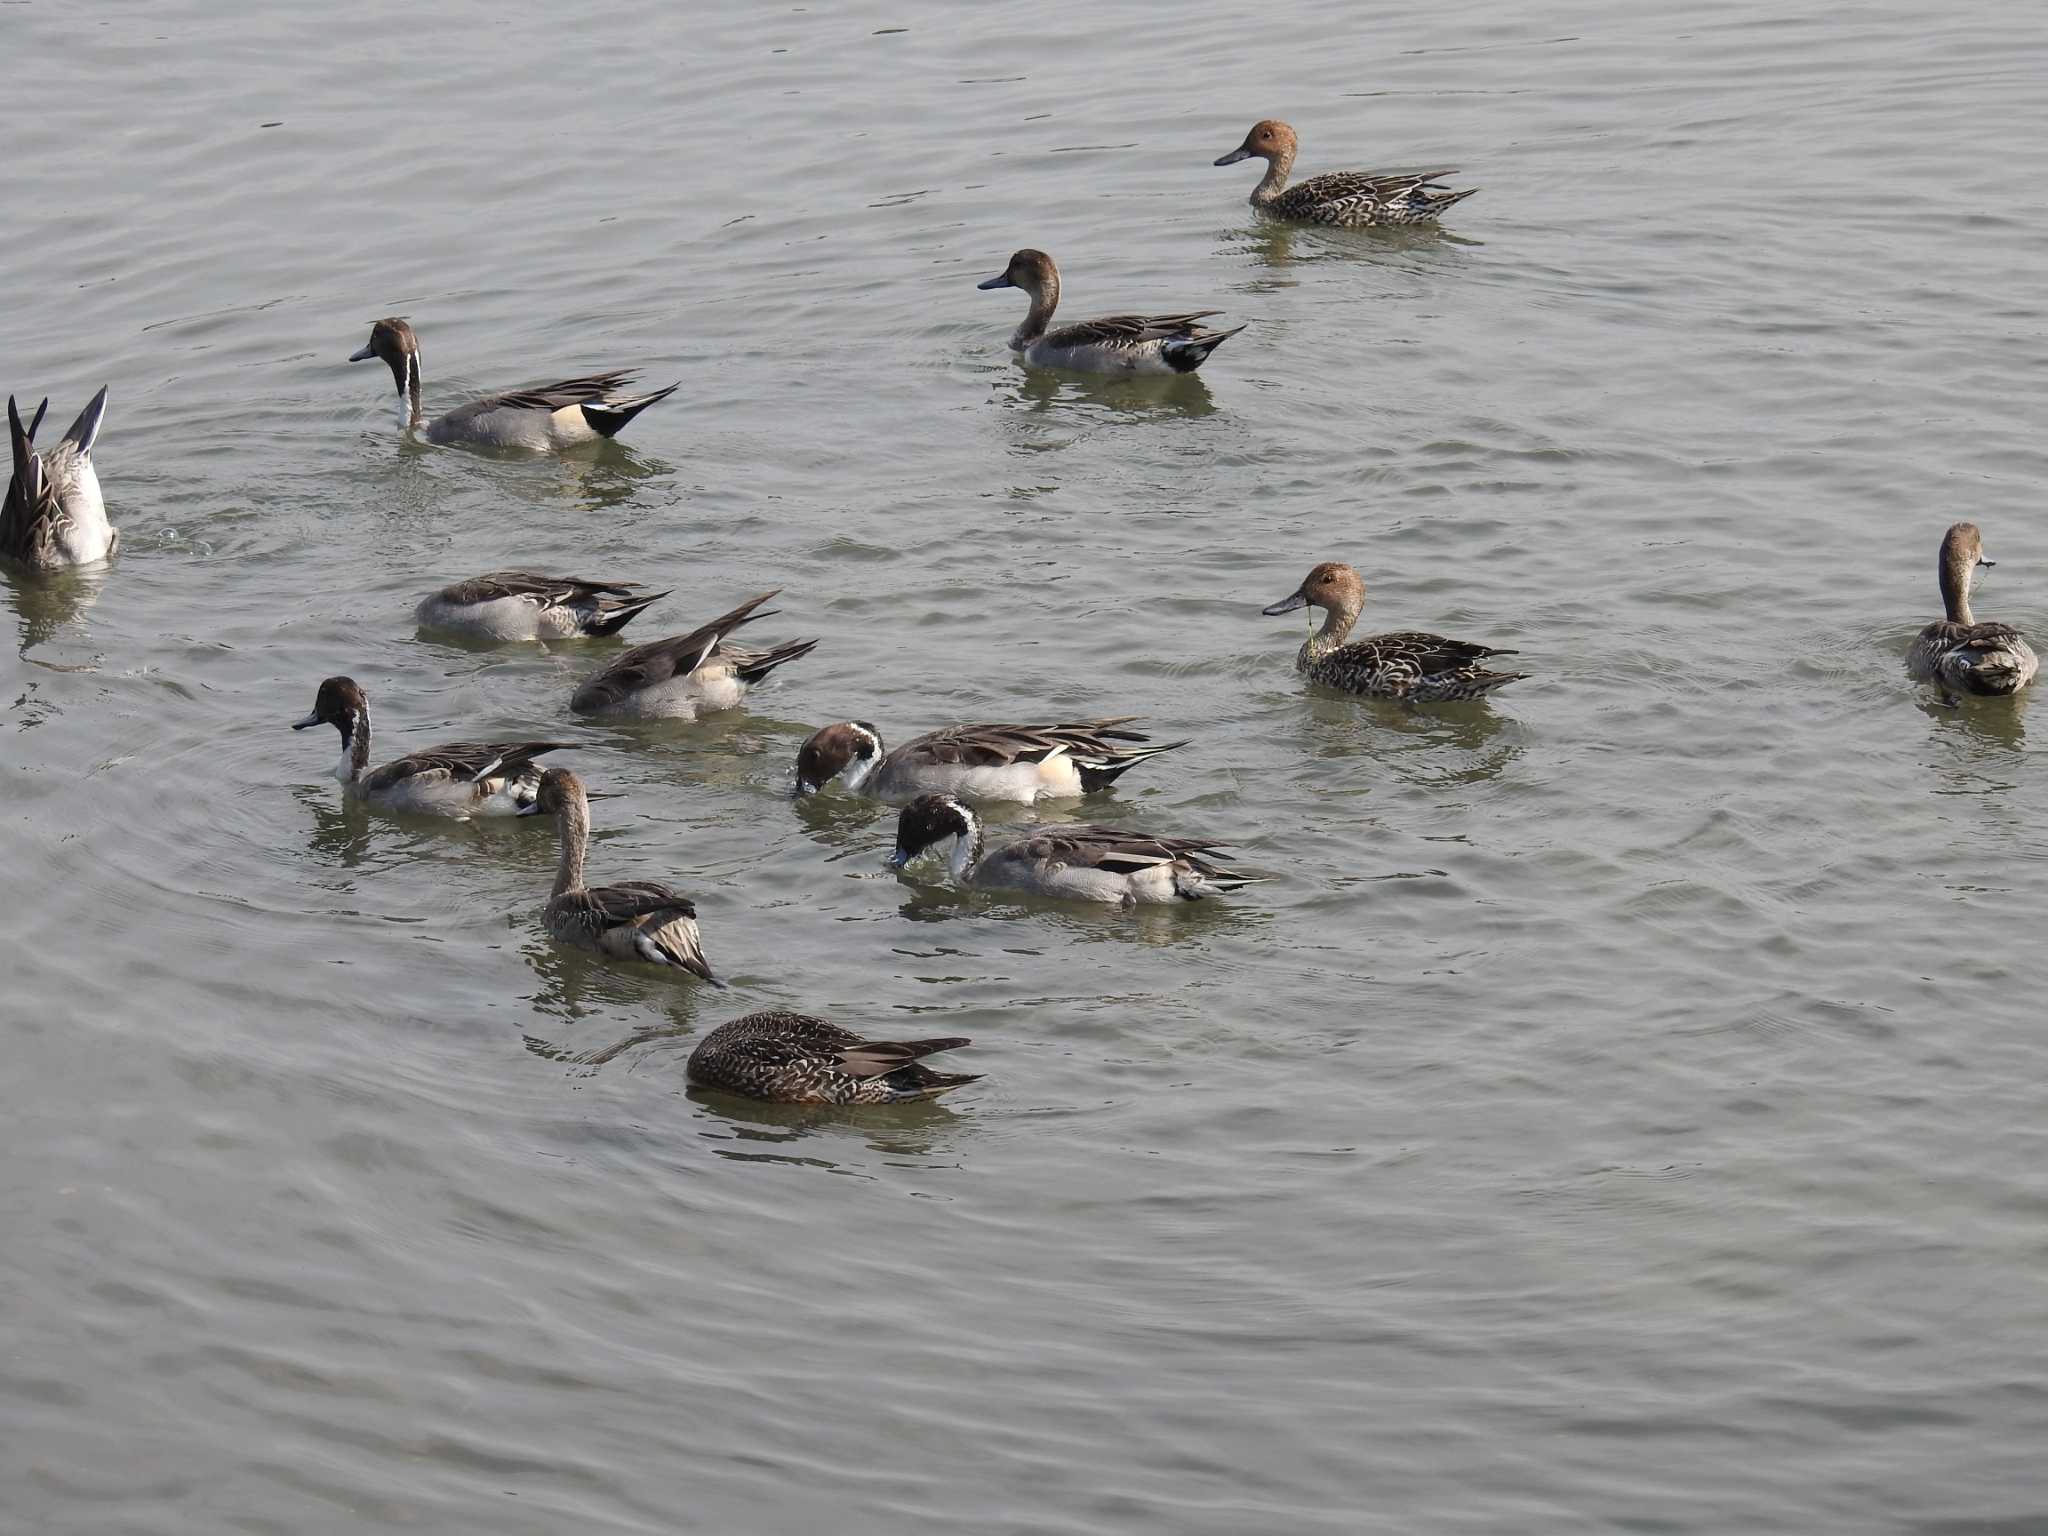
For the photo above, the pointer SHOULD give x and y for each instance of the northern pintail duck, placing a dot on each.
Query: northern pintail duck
(685, 675)
(460, 779)
(1347, 199)
(1079, 863)
(634, 920)
(54, 514)
(1021, 763)
(793, 1058)
(1114, 344)
(1408, 664)
(520, 605)
(1958, 654)
(564, 414)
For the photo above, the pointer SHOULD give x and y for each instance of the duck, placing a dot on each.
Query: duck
(685, 675)
(639, 920)
(797, 1058)
(546, 417)
(460, 779)
(983, 763)
(524, 605)
(1958, 654)
(1123, 346)
(1409, 665)
(1130, 869)
(1345, 199)
(54, 515)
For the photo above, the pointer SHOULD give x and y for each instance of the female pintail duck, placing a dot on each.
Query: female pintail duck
(1958, 654)
(793, 1058)
(54, 514)
(564, 414)
(635, 920)
(685, 675)
(520, 605)
(1347, 199)
(460, 779)
(982, 763)
(1122, 345)
(1410, 665)
(1079, 863)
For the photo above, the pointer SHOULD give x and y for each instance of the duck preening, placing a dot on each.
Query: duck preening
(565, 414)
(635, 920)
(1122, 345)
(794, 1058)
(1407, 664)
(521, 605)
(982, 763)
(1957, 653)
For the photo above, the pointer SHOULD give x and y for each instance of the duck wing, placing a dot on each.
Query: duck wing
(590, 389)
(31, 514)
(466, 762)
(1117, 851)
(650, 665)
(1000, 745)
(1130, 330)
(549, 591)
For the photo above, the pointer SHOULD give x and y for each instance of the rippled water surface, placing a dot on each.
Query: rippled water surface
(1624, 1109)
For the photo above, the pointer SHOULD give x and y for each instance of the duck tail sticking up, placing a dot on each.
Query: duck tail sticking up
(1187, 353)
(613, 619)
(606, 417)
(759, 665)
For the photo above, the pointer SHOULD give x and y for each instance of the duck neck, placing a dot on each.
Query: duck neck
(1955, 589)
(409, 413)
(1274, 182)
(1044, 300)
(1337, 624)
(355, 747)
(572, 825)
(966, 851)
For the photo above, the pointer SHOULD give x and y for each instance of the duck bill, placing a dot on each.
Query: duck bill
(1000, 280)
(1987, 564)
(805, 787)
(899, 858)
(361, 355)
(531, 808)
(1237, 154)
(306, 724)
(1285, 605)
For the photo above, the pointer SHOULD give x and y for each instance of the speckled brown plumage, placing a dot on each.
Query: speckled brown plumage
(1411, 665)
(795, 1058)
(1344, 199)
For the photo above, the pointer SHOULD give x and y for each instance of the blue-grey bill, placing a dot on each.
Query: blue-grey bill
(1000, 280)
(310, 720)
(1234, 156)
(1285, 605)
(361, 355)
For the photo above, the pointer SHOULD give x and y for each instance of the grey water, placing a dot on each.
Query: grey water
(1623, 1110)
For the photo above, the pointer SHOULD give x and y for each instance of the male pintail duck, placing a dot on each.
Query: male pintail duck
(1958, 654)
(1347, 199)
(685, 675)
(1079, 863)
(1410, 665)
(1122, 345)
(461, 779)
(548, 416)
(982, 763)
(520, 605)
(54, 515)
(635, 920)
(793, 1058)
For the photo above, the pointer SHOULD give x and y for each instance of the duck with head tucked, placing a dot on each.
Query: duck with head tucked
(522, 605)
(795, 1058)
(54, 515)
(1344, 199)
(547, 417)
(459, 778)
(1409, 665)
(1958, 654)
(633, 920)
(1130, 869)
(1020, 763)
(685, 675)
(1123, 346)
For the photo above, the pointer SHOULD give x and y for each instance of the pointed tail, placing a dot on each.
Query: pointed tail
(1101, 772)
(1186, 354)
(606, 417)
(614, 617)
(760, 663)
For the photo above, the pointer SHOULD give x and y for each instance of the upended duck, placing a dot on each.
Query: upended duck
(1121, 345)
(1079, 863)
(1345, 199)
(1958, 654)
(460, 779)
(685, 675)
(1019, 763)
(1408, 664)
(54, 515)
(794, 1058)
(565, 414)
(523, 605)
(633, 920)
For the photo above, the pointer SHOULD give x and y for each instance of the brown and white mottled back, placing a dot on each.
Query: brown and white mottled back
(797, 1058)
(1411, 665)
(1343, 199)
(1958, 653)
(54, 514)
